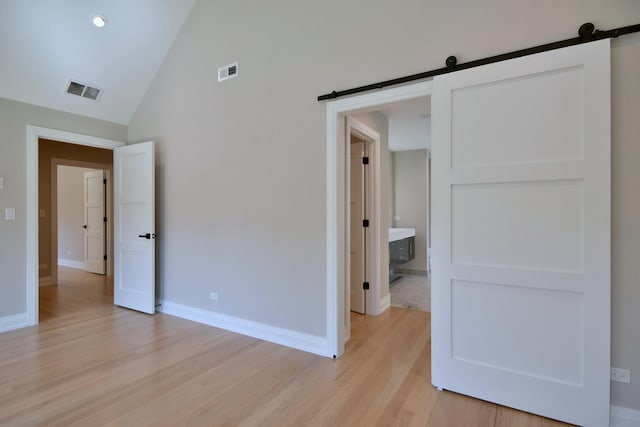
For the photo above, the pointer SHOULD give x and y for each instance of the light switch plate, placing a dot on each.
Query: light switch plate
(10, 214)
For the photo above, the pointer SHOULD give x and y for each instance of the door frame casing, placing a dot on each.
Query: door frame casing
(335, 199)
(34, 133)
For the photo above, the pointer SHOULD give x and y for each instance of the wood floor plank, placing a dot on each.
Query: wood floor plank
(415, 399)
(507, 417)
(454, 410)
(89, 363)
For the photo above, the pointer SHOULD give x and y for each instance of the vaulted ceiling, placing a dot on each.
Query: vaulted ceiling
(46, 43)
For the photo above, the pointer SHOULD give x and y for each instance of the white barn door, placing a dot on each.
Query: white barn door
(521, 233)
(134, 246)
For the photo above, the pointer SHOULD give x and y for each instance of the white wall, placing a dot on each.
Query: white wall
(241, 175)
(410, 194)
(14, 117)
(71, 213)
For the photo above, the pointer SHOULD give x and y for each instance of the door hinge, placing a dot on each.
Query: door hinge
(104, 181)
(365, 223)
(105, 219)
(365, 286)
(105, 257)
(365, 160)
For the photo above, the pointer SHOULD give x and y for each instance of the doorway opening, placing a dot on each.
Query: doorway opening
(409, 145)
(387, 208)
(339, 116)
(37, 200)
(75, 222)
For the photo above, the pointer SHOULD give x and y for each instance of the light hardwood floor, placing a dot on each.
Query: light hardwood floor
(89, 363)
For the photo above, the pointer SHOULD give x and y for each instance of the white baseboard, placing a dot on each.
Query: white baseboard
(385, 302)
(300, 341)
(624, 417)
(16, 321)
(71, 263)
(45, 281)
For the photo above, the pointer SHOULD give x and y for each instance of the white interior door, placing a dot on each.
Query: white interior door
(357, 231)
(521, 233)
(134, 246)
(94, 224)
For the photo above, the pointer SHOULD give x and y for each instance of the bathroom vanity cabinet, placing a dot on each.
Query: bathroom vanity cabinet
(401, 249)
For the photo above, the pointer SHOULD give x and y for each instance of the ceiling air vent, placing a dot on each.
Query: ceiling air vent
(227, 72)
(83, 90)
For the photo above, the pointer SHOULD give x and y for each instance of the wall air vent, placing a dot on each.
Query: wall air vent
(227, 72)
(83, 90)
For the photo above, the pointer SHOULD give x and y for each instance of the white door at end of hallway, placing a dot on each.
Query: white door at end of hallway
(94, 222)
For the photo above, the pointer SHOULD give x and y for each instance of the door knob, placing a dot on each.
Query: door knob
(84, 226)
(145, 236)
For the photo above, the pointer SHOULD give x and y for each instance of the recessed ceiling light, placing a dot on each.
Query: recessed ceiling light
(99, 21)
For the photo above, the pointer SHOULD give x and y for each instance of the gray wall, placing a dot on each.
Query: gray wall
(242, 163)
(410, 194)
(14, 117)
(71, 212)
(625, 212)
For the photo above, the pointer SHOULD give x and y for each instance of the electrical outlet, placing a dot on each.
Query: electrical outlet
(620, 375)
(10, 214)
(213, 296)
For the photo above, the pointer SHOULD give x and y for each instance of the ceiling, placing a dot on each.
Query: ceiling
(419, 107)
(409, 124)
(45, 43)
